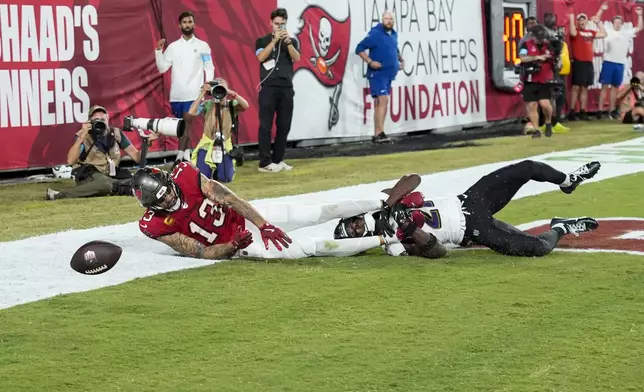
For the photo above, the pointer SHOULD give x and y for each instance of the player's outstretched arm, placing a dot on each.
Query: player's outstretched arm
(220, 194)
(192, 248)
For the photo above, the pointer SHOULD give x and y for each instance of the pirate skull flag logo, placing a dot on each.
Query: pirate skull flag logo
(324, 47)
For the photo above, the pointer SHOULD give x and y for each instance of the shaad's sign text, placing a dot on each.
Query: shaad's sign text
(40, 83)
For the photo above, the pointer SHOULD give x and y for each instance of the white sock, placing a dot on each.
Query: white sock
(187, 155)
(566, 182)
(179, 156)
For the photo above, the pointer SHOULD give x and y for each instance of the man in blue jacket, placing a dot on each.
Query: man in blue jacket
(384, 61)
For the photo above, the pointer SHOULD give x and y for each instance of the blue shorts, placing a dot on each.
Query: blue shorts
(179, 108)
(378, 87)
(612, 74)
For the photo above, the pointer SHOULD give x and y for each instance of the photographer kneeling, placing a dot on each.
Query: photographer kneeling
(95, 157)
(537, 72)
(212, 156)
(631, 98)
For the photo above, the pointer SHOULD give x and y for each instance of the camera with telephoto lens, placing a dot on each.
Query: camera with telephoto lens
(98, 128)
(556, 38)
(217, 90)
(168, 126)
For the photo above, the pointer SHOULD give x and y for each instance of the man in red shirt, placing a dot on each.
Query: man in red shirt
(583, 72)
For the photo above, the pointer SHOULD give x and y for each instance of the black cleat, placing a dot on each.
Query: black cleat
(548, 130)
(380, 138)
(574, 225)
(586, 172)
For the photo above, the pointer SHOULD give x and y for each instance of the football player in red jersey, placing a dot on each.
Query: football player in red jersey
(202, 218)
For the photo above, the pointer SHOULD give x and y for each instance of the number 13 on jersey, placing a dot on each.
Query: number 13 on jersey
(208, 209)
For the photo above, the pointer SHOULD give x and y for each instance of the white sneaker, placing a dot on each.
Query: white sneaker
(51, 194)
(284, 166)
(271, 168)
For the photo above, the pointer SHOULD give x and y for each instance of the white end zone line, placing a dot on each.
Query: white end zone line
(38, 267)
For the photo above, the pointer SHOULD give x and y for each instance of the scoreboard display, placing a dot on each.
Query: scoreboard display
(506, 27)
(513, 32)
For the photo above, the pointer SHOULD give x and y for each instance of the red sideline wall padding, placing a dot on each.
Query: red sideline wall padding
(57, 55)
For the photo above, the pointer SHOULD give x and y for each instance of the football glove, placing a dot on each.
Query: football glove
(382, 222)
(275, 235)
(413, 200)
(242, 239)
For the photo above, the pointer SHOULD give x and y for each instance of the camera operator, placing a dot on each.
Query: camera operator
(219, 107)
(631, 97)
(276, 53)
(537, 72)
(561, 59)
(95, 157)
(530, 22)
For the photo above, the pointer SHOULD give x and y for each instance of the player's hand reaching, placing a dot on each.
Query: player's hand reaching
(242, 239)
(406, 229)
(275, 235)
(383, 225)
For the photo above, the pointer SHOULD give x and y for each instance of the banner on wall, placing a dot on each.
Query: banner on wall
(59, 57)
(442, 84)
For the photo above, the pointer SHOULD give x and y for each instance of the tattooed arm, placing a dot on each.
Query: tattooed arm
(222, 195)
(193, 248)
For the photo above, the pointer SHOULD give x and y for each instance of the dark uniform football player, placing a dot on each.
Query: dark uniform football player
(468, 218)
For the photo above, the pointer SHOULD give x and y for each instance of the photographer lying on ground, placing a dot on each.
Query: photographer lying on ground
(213, 153)
(95, 157)
(631, 97)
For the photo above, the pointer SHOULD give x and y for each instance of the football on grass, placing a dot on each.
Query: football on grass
(96, 257)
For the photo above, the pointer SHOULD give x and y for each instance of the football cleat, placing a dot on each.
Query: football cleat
(574, 225)
(586, 172)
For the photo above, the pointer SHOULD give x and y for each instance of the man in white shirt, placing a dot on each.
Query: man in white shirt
(615, 57)
(190, 59)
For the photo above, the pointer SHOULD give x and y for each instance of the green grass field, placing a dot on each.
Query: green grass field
(475, 321)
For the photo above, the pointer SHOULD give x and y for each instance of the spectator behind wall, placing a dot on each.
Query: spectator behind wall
(615, 57)
(583, 72)
(191, 62)
(95, 157)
